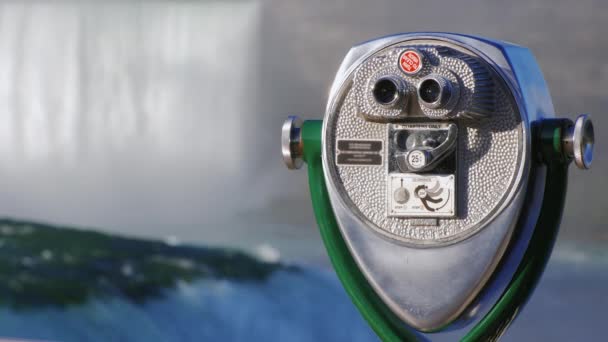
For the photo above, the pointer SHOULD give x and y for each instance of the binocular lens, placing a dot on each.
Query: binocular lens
(430, 91)
(386, 91)
(437, 92)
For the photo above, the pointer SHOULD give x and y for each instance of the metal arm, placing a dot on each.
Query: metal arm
(378, 315)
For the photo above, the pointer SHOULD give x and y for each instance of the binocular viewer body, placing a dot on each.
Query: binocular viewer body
(437, 170)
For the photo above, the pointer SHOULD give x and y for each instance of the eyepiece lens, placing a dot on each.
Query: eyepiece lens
(385, 91)
(429, 91)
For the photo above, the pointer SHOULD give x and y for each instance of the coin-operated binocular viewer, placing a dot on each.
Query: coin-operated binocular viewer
(438, 177)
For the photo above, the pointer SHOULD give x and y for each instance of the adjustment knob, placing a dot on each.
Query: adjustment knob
(579, 140)
(291, 142)
(401, 195)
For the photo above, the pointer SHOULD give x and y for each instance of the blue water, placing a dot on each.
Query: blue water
(304, 306)
(570, 304)
(65, 284)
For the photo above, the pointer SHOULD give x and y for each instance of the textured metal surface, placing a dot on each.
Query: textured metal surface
(472, 77)
(429, 288)
(493, 144)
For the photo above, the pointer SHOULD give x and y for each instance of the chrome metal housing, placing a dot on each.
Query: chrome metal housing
(454, 284)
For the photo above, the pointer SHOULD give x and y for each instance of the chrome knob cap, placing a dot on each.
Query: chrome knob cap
(291, 142)
(579, 141)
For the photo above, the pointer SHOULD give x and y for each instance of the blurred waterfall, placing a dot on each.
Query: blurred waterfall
(123, 113)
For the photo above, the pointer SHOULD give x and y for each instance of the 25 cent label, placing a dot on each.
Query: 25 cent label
(410, 61)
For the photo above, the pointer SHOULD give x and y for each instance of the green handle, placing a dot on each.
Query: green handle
(388, 326)
(382, 320)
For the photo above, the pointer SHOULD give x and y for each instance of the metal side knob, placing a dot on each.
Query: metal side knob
(291, 142)
(579, 140)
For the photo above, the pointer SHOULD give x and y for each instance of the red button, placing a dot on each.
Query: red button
(410, 61)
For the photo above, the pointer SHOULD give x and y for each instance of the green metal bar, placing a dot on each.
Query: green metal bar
(382, 320)
(502, 314)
